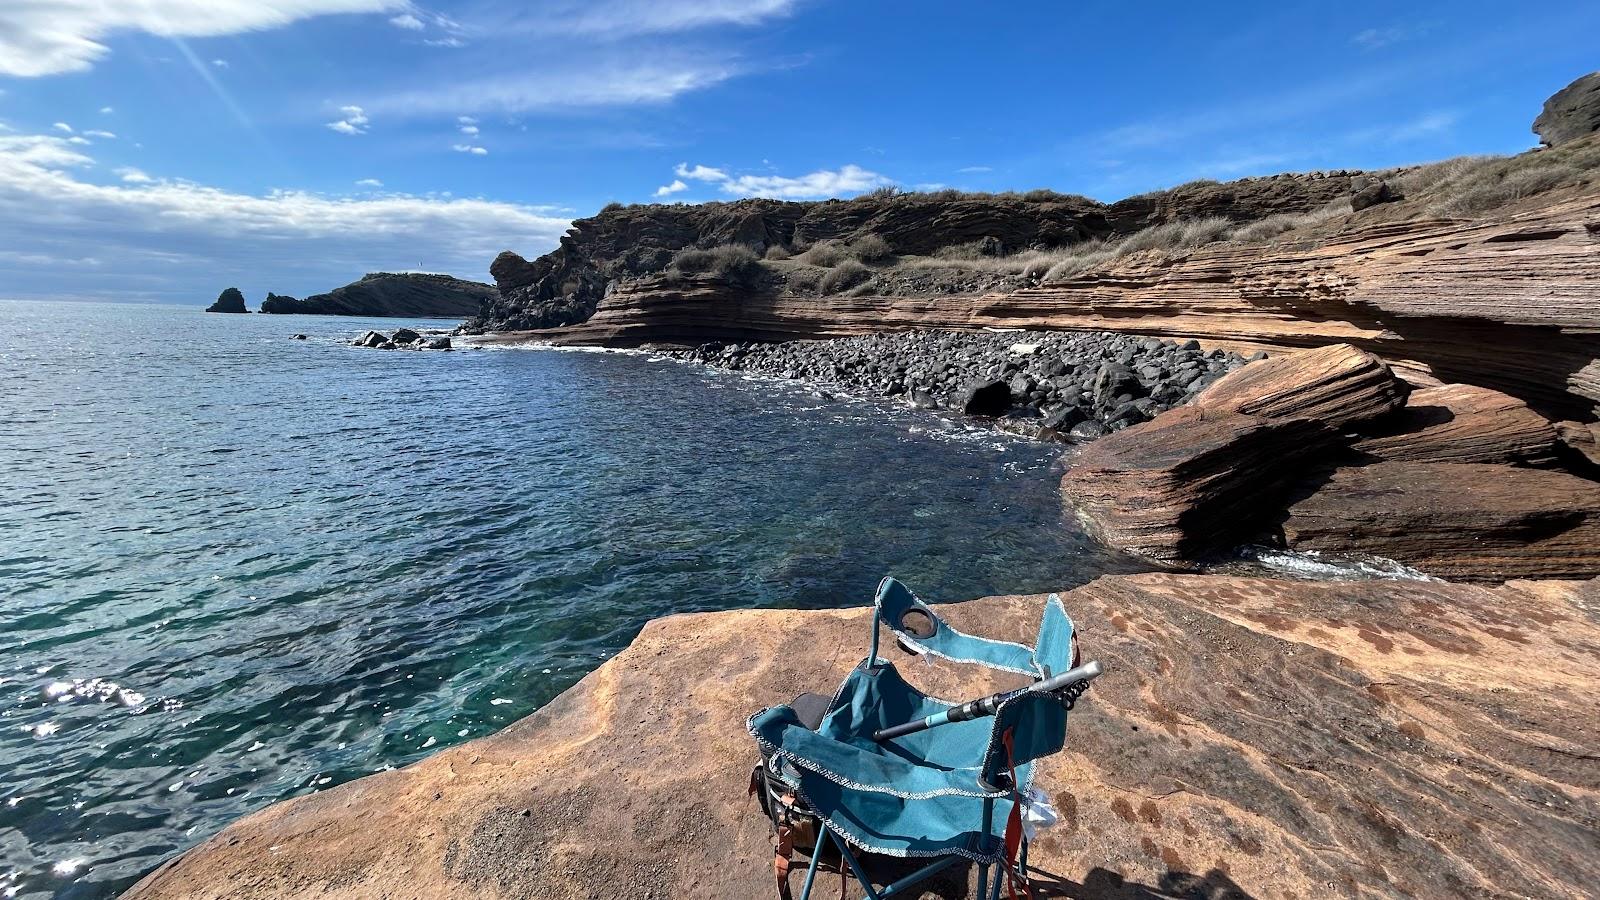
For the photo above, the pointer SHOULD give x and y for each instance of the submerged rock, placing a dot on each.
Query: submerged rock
(1250, 738)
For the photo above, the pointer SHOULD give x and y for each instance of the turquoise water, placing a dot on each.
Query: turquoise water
(236, 567)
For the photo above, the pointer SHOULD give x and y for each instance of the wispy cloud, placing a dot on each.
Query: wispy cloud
(407, 21)
(846, 180)
(49, 38)
(595, 83)
(219, 63)
(974, 170)
(354, 121)
(51, 206)
(369, 183)
(98, 133)
(1378, 38)
(617, 18)
(470, 148)
(62, 127)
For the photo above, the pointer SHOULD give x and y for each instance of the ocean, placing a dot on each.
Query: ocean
(237, 567)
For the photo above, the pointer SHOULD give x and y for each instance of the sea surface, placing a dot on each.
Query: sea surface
(237, 567)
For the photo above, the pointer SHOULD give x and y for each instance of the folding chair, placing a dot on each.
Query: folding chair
(890, 770)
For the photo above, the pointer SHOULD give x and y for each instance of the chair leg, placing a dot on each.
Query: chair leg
(855, 866)
(811, 870)
(983, 881)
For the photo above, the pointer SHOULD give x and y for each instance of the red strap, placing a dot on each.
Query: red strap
(1013, 826)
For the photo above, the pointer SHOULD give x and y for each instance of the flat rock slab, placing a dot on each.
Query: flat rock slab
(1467, 521)
(1338, 385)
(1252, 738)
(1190, 481)
(1462, 423)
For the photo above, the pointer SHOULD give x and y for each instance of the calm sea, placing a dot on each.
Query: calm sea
(236, 567)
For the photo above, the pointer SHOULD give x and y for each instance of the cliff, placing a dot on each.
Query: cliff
(409, 295)
(1250, 738)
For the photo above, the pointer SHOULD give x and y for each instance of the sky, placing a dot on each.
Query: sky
(160, 151)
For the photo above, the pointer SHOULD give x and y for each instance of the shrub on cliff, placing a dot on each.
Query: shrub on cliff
(871, 249)
(844, 276)
(826, 254)
(730, 262)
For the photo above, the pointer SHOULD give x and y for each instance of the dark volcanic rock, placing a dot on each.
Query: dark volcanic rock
(986, 398)
(1571, 113)
(404, 295)
(229, 301)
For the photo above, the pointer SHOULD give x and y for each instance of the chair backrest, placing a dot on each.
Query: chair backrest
(1036, 724)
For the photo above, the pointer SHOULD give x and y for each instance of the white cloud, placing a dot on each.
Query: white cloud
(848, 179)
(620, 18)
(75, 139)
(469, 129)
(469, 148)
(354, 121)
(974, 170)
(466, 120)
(445, 42)
(62, 127)
(699, 173)
(598, 82)
(107, 110)
(97, 133)
(677, 186)
(407, 21)
(369, 182)
(49, 38)
(220, 63)
(177, 239)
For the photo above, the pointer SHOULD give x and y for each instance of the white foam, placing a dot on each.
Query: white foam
(1312, 564)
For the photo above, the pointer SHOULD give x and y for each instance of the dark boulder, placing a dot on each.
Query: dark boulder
(1372, 195)
(1115, 380)
(986, 398)
(405, 336)
(439, 343)
(229, 301)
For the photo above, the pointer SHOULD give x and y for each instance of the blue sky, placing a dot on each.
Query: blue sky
(165, 152)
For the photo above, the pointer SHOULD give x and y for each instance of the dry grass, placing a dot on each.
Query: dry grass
(732, 262)
(844, 276)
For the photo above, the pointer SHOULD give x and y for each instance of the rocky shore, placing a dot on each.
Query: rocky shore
(1062, 386)
(403, 339)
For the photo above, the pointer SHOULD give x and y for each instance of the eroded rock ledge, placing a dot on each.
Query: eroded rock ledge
(1252, 738)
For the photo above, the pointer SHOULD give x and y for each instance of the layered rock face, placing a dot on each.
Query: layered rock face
(566, 286)
(1250, 738)
(1448, 482)
(412, 295)
(229, 301)
(1572, 113)
(1508, 303)
(1469, 521)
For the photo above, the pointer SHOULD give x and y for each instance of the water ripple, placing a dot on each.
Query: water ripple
(236, 567)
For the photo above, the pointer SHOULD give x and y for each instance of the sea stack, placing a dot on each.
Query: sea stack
(229, 301)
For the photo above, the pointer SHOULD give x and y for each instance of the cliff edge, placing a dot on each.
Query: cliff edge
(1251, 738)
(413, 295)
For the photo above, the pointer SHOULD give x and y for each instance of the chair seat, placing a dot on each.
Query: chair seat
(902, 798)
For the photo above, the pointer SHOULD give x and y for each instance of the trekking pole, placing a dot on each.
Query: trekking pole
(977, 709)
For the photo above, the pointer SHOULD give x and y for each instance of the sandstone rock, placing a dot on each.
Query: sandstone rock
(229, 301)
(1472, 522)
(1463, 424)
(1251, 738)
(1582, 438)
(1338, 385)
(1190, 481)
(1571, 113)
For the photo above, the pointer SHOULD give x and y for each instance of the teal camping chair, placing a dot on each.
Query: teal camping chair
(885, 769)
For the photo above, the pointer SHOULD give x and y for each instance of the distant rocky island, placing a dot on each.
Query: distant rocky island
(412, 295)
(229, 301)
